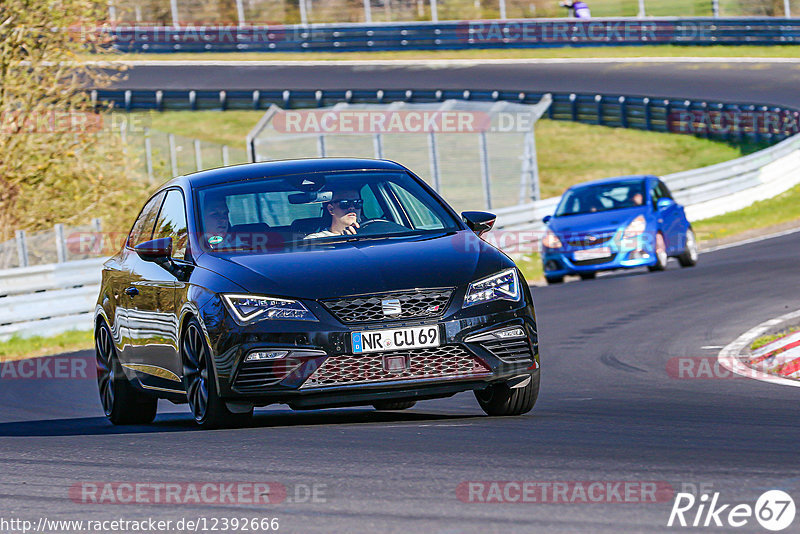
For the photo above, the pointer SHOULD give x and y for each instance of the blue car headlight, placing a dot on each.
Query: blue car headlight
(248, 308)
(501, 286)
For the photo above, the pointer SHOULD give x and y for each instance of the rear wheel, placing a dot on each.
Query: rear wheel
(393, 405)
(552, 280)
(689, 256)
(122, 403)
(201, 387)
(661, 254)
(500, 399)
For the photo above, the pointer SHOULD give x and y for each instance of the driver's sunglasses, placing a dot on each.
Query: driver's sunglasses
(348, 203)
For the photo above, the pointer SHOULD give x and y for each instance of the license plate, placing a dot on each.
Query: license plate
(396, 339)
(591, 254)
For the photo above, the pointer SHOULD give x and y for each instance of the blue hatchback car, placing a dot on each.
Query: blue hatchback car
(616, 223)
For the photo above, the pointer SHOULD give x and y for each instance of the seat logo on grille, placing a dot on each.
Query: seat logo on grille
(391, 307)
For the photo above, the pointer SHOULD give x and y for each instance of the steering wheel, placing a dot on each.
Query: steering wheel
(375, 226)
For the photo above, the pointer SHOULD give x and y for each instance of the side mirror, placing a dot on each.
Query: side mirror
(157, 250)
(664, 203)
(547, 219)
(479, 222)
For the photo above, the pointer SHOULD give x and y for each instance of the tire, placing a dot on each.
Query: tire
(499, 399)
(553, 280)
(661, 254)
(123, 404)
(588, 276)
(208, 408)
(393, 405)
(689, 256)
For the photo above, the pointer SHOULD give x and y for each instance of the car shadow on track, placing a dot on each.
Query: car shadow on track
(175, 422)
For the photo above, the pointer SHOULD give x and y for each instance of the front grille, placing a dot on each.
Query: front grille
(447, 361)
(510, 350)
(420, 304)
(589, 240)
(255, 376)
(597, 261)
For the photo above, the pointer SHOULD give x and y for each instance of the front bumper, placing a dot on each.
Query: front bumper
(625, 254)
(320, 369)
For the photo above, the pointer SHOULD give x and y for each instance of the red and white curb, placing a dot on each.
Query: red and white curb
(777, 362)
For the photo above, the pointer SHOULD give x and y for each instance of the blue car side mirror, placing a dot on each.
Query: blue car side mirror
(547, 219)
(664, 203)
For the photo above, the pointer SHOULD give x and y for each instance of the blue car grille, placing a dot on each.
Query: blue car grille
(589, 240)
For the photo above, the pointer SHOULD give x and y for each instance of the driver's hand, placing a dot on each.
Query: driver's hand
(351, 230)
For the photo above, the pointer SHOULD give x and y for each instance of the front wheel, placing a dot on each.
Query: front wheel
(499, 399)
(588, 276)
(553, 280)
(122, 403)
(209, 410)
(689, 256)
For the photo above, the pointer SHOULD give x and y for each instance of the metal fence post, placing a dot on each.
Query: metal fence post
(148, 155)
(503, 9)
(434, 12)
(321, 152)
(97, 226)
(377, 143)
(303, 13)
(226, 157)
(485, 177)
(648, 114)
(198, 156)
(367, 11)
(173, 4)
(533, 159)
(787, 8)
(642, 12)
(22, 248)
(240, 12)
(61, 244)
(173, 155)
(433, 153)
(599, 100)
(715, 8)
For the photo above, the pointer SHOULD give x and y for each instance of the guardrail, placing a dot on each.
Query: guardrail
(715, 120)
(453, 35)
(48, 299)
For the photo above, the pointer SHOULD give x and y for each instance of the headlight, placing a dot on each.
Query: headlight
(551, 240)
(635, 228)
(247, 308)
(501, 286)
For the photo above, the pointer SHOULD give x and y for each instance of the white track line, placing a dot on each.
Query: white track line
(442, 62)
(729, 356)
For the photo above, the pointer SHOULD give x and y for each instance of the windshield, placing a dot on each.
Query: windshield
(313, 208)
(602, 197)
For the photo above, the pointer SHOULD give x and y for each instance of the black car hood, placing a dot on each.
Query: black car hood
(361, 267)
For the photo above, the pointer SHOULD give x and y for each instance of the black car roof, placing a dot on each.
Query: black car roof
(247, 171)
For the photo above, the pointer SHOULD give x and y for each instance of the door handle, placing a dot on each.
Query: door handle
(131, 291)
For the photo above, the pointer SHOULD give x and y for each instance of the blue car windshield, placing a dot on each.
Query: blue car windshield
(601, 197)
(317, 208)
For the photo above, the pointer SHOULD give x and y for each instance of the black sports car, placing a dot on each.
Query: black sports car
(316, 283)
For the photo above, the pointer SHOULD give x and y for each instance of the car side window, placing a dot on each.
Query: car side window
(655, 194)
(143, 227)
(421, 216)
(172, 223)
(665, 192)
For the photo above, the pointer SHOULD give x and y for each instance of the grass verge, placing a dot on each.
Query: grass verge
(18, 348)
(789, 51)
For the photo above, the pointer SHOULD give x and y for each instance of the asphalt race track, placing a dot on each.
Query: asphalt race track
(772, 83)
(608, 411)
(612, 407)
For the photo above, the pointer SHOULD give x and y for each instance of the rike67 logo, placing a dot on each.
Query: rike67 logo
(774, 510)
